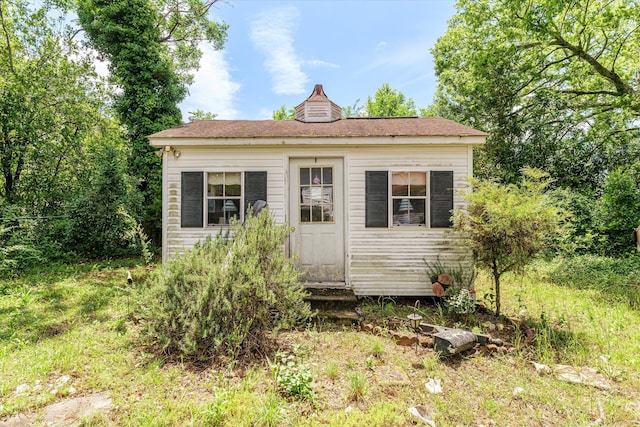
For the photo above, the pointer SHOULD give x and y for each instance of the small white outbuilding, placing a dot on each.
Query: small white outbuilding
(370, 198)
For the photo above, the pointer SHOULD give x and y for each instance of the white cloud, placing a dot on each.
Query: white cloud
(213, 89)
(320, 63)
(272, 35)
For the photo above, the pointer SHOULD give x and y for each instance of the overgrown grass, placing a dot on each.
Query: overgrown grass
(617, 280)
(79, 321)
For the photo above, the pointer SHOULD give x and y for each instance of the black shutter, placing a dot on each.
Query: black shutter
(376, 199)
(255, 188)
(192, 199)
(441, 198)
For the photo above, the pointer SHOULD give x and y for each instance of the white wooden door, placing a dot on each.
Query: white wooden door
(316, 211)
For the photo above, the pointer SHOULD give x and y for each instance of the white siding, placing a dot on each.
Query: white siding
(379, 261)
(390, 261)
(218, 160)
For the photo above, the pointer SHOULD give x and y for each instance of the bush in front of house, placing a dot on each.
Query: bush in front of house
(223, 298)
(506, 226)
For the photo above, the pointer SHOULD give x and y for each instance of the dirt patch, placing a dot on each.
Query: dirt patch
(65, 413)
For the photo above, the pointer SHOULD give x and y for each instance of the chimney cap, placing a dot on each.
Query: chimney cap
(318, 90)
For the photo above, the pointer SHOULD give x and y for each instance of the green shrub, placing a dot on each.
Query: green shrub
(16, 251)
(101, 219)
(462, 272)
(618, 212)
(616, 279)
(506, 226)
(580, 234)
(292, 377)
(592, 271)
(223, 297)
(463, 302)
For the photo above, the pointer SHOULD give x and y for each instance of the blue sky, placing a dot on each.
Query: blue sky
(278, 50)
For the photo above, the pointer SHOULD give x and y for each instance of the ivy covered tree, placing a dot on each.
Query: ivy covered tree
(152, 47)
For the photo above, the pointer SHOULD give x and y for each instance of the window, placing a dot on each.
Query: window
(224, 190)
(222, 195)
(417, 198)
(316, 195)
(409, 197)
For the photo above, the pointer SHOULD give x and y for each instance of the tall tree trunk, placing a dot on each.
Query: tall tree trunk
(496, 284)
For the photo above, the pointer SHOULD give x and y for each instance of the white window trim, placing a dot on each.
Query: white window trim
(391, 198)
(206, 198)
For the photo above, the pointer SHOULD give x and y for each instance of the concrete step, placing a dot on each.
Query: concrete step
(338, 317)
(332, 299)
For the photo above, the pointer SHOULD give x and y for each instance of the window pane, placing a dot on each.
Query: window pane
(305, 195)
(316, 213)
(231, 209)
(316, 176)
(328, 213)
(214, 184)
(232, 183)
(327, 195)
(408, 211)
(400, 184)
(417, 216)
(305, 214)
(327, 175)
(304, 176)
(316, 195)
(215, 215)
(418, 182)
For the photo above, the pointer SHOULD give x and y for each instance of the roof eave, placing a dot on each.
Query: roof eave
(313, 140)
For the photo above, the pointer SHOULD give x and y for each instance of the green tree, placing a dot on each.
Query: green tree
(618, 213)
(388, 102)
(201, 115)
(51, 105)
(283, 114)
(102, 222)
(184, 25)
(554, 83)
(507, 225)
(152, 46)
(355, 110)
